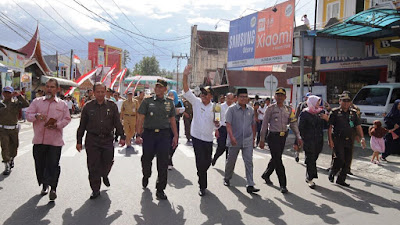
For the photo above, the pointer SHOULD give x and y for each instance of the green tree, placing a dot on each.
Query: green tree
(147, 66)
(167, 74)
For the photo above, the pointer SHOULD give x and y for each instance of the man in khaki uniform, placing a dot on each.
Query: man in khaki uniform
(129, 116)
(140, 97)
(9, 127)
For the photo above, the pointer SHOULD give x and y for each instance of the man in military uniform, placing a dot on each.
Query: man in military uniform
(128, 115)
(187, 119)
(276, 118)
(9, 126)
(99, 118)
(155, 120)
(343, 126)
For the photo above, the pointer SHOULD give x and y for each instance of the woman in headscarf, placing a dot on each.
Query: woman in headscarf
(178, 107)
(392, 121)
(311, 125)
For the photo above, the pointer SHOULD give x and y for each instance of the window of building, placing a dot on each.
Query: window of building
(63, 71)
(333, 10)
(359, 6)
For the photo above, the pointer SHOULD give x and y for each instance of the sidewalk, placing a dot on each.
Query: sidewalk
(387, 173)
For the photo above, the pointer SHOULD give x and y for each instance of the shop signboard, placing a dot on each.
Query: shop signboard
(384, 46)
(343, 62)
(262, 38)
(275, 35)
(242, 38)
(12, 60)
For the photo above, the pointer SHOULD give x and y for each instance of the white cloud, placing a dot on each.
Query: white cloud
(169, 30)
(202, 20)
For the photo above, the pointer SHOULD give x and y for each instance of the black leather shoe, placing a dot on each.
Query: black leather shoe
(283, 190)
(45, 190)
(349, 173)
(331, 177)
(342, 183)
(310, 183)
(145, 182)
(161, 195)
(106, 181)
(52, 195)
(252, 189)
(202, 192)
(95, 194)
(267, 180)
(227, 183)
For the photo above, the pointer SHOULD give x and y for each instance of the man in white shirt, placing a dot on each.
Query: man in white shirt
(221, 139)
(260, 112)
(202, 128)
(305, 20)
(70, 104)
(119, 101)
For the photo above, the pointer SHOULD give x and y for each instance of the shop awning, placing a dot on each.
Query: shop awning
(3, 68)
(61, 81)
(370, 24)
(297, 80)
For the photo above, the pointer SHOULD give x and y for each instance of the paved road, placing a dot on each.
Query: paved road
(125, 202)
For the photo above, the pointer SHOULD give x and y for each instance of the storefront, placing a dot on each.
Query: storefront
(12, 66)
(351, 73)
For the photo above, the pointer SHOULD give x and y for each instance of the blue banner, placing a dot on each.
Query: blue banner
(242, 39)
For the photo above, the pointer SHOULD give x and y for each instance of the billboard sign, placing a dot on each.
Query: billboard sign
(242, 37)
(275, 35)
(262, 38)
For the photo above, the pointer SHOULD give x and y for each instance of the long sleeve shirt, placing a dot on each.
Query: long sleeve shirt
(9, 114)
(242, 122)
(56, 109)
(277, 118)
(100, 119)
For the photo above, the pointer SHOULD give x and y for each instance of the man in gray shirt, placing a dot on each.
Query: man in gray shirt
(241, 128)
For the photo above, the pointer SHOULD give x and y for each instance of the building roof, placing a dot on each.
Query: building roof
(213, 39)
(33, 52)
(370, 24)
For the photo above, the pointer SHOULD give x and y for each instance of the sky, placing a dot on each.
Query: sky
(142, 27)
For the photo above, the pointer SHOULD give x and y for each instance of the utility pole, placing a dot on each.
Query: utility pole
(70, 64)
(314, 41)
(178, 57)
(57, 64)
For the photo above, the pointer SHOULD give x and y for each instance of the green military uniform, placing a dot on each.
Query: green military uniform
(129, 110)
(156, 137)
(188, 121)
(344, 131)
(9, 128)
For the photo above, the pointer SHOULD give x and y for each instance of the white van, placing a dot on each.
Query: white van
(375, 101)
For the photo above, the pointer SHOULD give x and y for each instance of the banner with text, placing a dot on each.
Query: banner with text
(262, 38)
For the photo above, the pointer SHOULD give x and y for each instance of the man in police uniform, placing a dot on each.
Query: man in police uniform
(276, 118)
(128, 115)
(99, 118)
(155, 120)
(9, 127)
(344, 123)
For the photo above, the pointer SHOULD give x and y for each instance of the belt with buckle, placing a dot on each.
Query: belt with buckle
(102, 135)
(130, 114)
(281, 133)
(8, 127)
(155, 130)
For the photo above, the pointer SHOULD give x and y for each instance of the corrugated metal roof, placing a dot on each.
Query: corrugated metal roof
(371, 23)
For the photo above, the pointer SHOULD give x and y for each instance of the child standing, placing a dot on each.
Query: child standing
(377, 132)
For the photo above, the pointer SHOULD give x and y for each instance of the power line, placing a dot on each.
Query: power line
(67, 22)
(56, 21)
(42, 23)
(155, 39)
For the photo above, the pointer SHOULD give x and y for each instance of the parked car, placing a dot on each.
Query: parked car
(375, 101)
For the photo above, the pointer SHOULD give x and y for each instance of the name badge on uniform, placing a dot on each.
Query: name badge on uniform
(151, 113)
(282, 134)
(167, 106)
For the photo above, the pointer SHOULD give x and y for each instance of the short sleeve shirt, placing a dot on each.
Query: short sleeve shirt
(344, 123)
(157, 112)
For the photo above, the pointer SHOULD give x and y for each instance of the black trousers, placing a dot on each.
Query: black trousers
(276, 145)
(312, 149)
(156, 144)
(203, 152)
(259, 125)
(221, 148)
(343, 155)
(100, 158)
(47, 158)
(171, 149)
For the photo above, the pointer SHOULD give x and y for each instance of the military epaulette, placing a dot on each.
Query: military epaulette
(336, 109)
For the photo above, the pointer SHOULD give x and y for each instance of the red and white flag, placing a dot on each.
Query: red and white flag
(82, 79)
(109, 73)
(119, 74)
(76, 59)
(121, 79)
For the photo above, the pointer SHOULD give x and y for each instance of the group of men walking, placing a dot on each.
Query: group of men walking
(153, 121)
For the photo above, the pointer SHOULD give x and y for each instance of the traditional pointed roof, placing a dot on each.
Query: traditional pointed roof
(33, 53)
